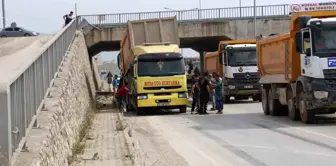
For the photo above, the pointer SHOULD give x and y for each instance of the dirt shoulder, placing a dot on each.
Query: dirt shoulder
(148, 147)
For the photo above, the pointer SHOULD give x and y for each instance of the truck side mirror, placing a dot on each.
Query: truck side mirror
(298, 42)
(118, 61)
(221, 58)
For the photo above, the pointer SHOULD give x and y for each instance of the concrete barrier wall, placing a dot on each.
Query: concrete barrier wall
(65, 110)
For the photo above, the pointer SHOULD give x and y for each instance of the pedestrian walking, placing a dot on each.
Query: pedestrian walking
(195, 93)
(115, 83)
(204, 92)
(219, 94)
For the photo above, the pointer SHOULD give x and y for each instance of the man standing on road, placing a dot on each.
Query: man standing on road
(68, 18)
(204, 92)
(115, 83)
(213, 82)
(195, 90)
(219, 94)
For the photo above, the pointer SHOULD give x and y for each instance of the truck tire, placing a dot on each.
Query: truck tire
(227, 99)
(274, 105)
(264, 101)
(183, 109)
(306, 116)
(256, 98)
(294, 114)
(139, 111)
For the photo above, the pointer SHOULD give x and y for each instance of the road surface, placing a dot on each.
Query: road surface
(16, 52)
(242, 136)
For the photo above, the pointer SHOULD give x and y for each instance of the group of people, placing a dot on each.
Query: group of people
(205, 87)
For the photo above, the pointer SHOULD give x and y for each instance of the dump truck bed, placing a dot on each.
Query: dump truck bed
(211, 62)
(162, 30)
(275, 59)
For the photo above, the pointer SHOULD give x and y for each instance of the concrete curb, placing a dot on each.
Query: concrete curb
(129, 142)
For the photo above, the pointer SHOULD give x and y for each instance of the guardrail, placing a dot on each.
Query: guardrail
(21, 97)
(190, 15)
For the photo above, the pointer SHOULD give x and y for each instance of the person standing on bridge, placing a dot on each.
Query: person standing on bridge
(67, 18)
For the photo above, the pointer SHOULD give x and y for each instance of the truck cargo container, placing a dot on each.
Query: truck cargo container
(151, 63)
(235, 61)
(298, 69)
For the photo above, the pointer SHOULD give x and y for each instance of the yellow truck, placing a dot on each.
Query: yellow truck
(153, 67)
(298, 69)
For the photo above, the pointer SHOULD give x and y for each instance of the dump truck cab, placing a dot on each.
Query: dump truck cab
(240, 71)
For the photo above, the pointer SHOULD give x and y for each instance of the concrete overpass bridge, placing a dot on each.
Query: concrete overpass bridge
(46, 86)
(200, 30)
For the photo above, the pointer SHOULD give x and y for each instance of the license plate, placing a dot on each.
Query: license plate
(248, 86)
(163, 104)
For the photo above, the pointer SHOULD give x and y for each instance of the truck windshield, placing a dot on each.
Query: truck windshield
(161, 67)
(243, 58)
(326, 41)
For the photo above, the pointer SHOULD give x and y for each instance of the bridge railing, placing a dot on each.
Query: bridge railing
(22, 96)
(190, 15)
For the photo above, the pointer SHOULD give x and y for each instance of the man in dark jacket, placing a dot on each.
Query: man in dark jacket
(68, 18)
(205, 94)
(195, 94)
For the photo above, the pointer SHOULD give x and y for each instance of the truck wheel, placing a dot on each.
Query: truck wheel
(256, 98)
(264, 102)
(294, 114)
(140, 111)
(306, 116)
(183, 109)
(227, 99)
(273, 104)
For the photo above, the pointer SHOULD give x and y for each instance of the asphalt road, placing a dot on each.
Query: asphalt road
(244, 136)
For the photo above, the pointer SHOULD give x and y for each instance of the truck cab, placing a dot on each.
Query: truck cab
(316, 43)
(240, 71)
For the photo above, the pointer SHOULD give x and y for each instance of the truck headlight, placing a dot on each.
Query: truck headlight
(320, 94)
(142, 97)
(231, 86)
(182, 95)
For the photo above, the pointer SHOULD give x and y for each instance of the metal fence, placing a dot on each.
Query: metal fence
(21, 97)
(191, 15)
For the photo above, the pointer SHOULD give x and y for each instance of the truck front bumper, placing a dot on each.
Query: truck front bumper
(322, 94)
(163, 101)
(232, 88)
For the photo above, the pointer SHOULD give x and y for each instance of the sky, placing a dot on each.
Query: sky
(45, 16)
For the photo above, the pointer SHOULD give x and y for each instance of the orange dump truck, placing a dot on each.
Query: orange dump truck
(298, 69)
(211, 63)
(236, 63)
(153, 67)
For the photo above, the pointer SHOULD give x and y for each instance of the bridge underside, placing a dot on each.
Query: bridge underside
(199, 44)
(200, 36)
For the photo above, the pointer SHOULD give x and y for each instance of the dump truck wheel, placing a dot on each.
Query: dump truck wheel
(256, 98)
(183, 109)
(264, 101)
(306, 116)
(274, 105)
(140, 111)
(294, 114)
(227, 99)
